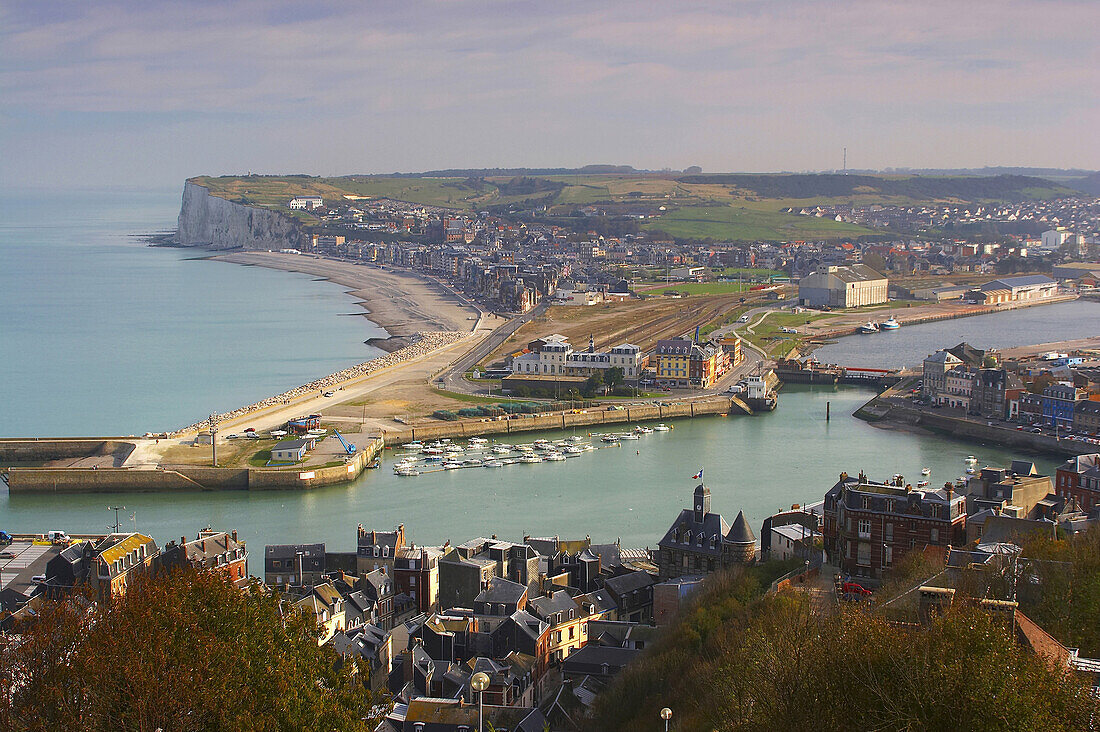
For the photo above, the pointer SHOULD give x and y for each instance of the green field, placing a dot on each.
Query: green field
(745, 224)
(701, 288)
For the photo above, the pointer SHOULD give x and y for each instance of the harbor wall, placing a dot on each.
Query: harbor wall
(877, 411)
(59, 448)
(187, 478)
(566, 420)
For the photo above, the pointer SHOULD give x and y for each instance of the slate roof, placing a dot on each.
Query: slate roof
(502, 590)
(591, 659)
(558, 602)
(712, 525)
(629, 582)
(741, 533)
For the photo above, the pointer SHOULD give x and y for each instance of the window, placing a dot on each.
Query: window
(934, 536)
(866, 502)
(412, 581)
(864, 528)
(863, 557)
(889, 532)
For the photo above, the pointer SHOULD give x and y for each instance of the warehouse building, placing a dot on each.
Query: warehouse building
(843, 287)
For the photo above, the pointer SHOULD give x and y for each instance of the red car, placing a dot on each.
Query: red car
(854, 590)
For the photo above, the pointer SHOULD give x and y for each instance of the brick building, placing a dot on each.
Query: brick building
(869, 526)
(1079, 479)
(700, 542)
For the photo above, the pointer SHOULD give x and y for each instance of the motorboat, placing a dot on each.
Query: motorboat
(415, 446)
(630, 436)
(407, 472)
(555, 456)
(869, 327)
(970, 470)
(643, 430)
(890, 323)
(576, 438)
(473, 461)
(509, 461)
(453, 449)
(610, 438)
(926, 471)
(501, 450)
(971, 460)
(662, 427)
(525, 449)
(453, 464)
(922, 484)
(543, 444)
(476, 441)
(529, 458)
(432, 451)
(493, 464)
(572, 451)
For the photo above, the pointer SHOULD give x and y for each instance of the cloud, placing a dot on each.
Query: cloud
(454, 83)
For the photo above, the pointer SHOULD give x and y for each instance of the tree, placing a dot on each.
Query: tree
(181, 651)
(614, 376)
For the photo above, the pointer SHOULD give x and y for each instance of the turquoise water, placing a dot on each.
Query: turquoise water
(103, 335)
(910, 344)
(760, 464)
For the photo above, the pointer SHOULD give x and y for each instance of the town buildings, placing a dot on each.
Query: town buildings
(851, 286)
(1078, 479)
(684, 363)
(294, 565)
(554, 355)
(306, 203)
(213, 551)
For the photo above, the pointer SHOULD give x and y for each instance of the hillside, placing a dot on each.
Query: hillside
(738, 207)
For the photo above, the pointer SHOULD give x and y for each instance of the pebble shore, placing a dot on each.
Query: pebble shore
(422, 344)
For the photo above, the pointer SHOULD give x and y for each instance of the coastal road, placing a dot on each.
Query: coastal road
(454, 377)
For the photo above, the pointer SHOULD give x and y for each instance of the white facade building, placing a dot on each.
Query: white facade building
(308, 203)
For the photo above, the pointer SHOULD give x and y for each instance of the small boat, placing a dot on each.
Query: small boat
(452, 465)
(572, 451)
(589, 448)
(926, 471)
(453, 449)
(415, 446)
(662, 427)
(501, 450)
(576, 438)
(525, 449)
(433, 451)
(555, 456)
(476, 441)
(278, 433)
(542, 444)
(508, 461)
(630, 436)
(407, 472)
(970, 460)
(642, 430)
(970, 470)
(530, 459)
(869, 327)
(610, 438)
(493, 464)
(922, 484)
(890, 323)
(473, 461)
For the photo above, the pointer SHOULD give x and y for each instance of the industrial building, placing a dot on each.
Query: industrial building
(843, 287)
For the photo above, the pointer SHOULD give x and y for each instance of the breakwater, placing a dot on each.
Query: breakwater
(568, 420)
(422, 344)
(188, 478)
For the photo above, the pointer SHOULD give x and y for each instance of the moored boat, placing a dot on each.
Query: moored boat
(662, 427)
(890, 323)
(869, 327)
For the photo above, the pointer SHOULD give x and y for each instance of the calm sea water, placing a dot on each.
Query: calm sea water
(103, 335)
(910, 344)
(760, 464)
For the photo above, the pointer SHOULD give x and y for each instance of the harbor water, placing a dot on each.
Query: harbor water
(760, 464)
(910, 344)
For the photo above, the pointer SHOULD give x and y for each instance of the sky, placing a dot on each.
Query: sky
(148, 93)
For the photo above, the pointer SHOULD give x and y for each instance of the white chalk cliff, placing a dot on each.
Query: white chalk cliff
(210, 221)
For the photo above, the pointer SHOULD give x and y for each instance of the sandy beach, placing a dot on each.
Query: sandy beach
(401, 302)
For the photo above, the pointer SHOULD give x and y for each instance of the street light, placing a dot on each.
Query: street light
(479, 682)
(666, 714)
(116, 509)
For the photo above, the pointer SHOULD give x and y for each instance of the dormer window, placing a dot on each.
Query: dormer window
(376, 550)
(385, 551)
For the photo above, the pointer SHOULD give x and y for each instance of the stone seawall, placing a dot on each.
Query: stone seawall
(217, 223)
(564, 421)
(19, 450)
(186, 478)
(878, 411)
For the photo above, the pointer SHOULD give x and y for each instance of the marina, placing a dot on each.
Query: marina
(760, 465)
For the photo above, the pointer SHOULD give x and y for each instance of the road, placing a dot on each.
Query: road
(454, 379)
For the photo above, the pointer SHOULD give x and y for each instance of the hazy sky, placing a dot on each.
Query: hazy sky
(149, 93)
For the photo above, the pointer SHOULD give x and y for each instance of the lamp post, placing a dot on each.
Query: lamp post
(116, 509)
(666, 714)
(479, 682)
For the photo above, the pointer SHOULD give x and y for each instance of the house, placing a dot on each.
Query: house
(701, 542)
(1079, 480)
(602, 662)
(116, 559)
(291, 451)
(843, 287)
(378, 587)
(306, 203)
(326, 606)
(671, 596)
(294, 565)
(934, 379)
(869, 526)
(376, 549)
(372, 644)
(568, 624)
(684, 363)
(633, 594)
(416, 575)
(212, 551)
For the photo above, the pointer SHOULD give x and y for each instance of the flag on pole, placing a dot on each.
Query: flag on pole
(698, 476)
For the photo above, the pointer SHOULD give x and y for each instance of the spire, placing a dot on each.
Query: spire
(741, 533)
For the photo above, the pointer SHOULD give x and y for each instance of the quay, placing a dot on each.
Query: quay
(793, 371)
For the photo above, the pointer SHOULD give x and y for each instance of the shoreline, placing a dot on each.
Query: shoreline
(401, 303)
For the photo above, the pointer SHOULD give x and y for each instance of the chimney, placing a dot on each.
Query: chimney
(183, 540)
(234, 534)
(360, 531)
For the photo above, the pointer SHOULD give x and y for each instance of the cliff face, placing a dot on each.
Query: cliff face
(214, 222)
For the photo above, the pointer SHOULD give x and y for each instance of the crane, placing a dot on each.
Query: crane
(347, 446)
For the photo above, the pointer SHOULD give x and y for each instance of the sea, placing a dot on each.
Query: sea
(105, 335)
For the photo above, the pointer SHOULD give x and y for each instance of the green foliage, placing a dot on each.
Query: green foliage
(772, 663)
(1062, 593)
(179, 651)
(445, 414)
